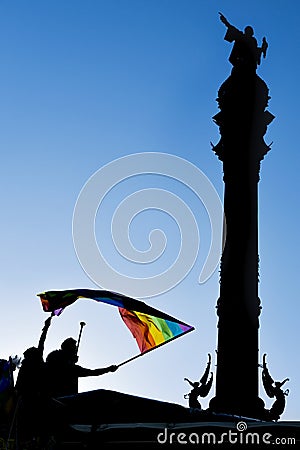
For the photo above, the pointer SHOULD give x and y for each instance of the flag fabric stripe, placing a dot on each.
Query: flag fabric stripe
(149, 326)
(139, 330)
(150, 331)
(54, 300)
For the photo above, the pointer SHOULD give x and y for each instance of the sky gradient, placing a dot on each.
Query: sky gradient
(86, 82)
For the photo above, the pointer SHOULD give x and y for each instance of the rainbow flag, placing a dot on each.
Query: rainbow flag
(150, 327)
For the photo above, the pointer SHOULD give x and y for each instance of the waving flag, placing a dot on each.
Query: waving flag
(149, 326)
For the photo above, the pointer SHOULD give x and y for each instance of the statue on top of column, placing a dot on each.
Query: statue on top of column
(245, 55)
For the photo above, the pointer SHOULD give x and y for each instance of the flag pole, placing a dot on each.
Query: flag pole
(130, 359)
(82, 324)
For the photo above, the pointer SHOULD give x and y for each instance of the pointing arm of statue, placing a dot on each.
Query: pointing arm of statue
(224, 20)
(232, 32)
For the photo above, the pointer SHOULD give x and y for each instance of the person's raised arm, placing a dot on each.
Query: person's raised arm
(44, 334)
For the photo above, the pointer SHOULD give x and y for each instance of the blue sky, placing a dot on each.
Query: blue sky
(86, 82)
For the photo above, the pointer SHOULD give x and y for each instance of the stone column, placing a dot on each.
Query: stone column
(243, 121)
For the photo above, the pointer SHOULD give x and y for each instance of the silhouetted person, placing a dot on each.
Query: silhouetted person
(200, 389)
(246, 54)
(30, 378)
(273, 389)
(30, 388)
(62, 372)
(7, 394)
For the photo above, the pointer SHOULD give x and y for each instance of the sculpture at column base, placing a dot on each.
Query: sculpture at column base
(273, 389)
(200, 388)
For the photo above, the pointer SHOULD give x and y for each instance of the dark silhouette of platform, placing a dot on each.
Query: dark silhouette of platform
(110, 418)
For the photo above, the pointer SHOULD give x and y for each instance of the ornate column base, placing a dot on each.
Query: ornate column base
(254, 408)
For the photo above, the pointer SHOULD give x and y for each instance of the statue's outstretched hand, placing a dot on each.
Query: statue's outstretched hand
(223, 19)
